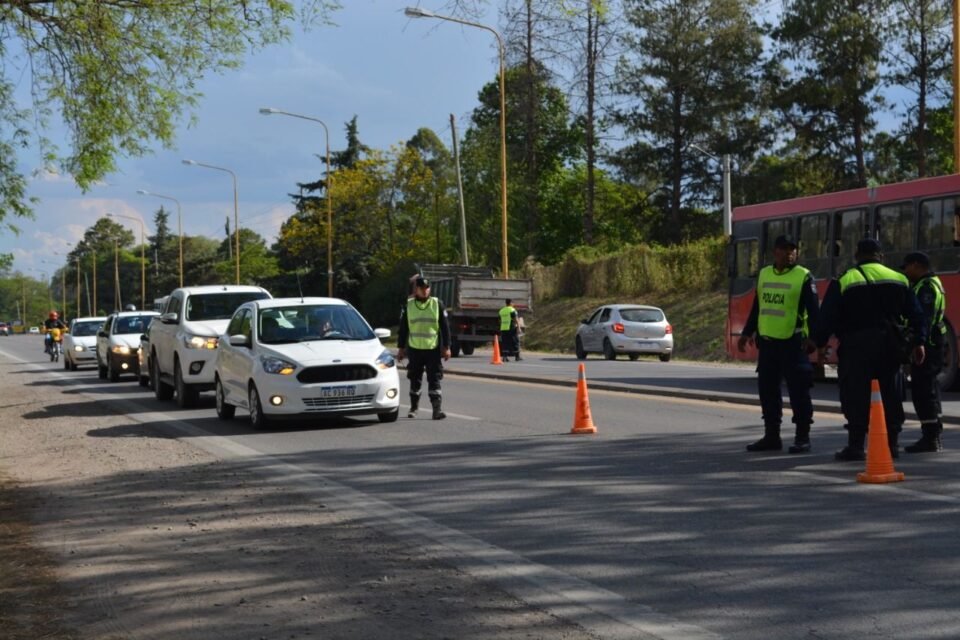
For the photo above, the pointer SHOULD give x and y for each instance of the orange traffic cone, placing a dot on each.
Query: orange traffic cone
(879, 460)
(496, 350)
(582, 420)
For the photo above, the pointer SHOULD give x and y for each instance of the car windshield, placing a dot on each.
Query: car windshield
(642, 315)
(131, 324)
(306, 323)
(219, 306)
(88, 328)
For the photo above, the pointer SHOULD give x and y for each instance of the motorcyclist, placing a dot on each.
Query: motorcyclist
(53, 321)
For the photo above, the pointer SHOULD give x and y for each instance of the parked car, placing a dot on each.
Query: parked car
(625, 328)
(80, 342)
(291, 357)
(33, 330)
(118, 341)
(183, 342)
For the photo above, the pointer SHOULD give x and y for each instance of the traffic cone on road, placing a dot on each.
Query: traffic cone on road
(582, 420)
(879, 461)
(496, 350)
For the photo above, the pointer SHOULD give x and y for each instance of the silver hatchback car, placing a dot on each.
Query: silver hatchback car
(625, 328)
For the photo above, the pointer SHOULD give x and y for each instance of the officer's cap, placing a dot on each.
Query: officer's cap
(917, 257)
(422, 282)
(869, 246)
(785, 242)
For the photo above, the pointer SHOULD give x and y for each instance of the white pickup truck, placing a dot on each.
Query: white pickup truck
(183, 340)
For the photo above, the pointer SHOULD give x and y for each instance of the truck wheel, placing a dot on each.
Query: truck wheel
(454, 347)
(161, 389)
(186, 394)
(101, 370)
(467, 348)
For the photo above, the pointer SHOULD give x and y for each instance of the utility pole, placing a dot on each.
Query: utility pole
(463, 215)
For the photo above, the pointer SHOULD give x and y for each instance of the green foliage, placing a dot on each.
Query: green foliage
(383, 297)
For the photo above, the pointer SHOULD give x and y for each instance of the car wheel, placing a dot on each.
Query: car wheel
(389, 416)
(664, 357)
(161, 389)
(101, 370)
(186, 395)
(143, 380)
(581, 354)
(257, 418)
(73, 365)
(66, 363)
(112, 372)
(225, 411)
(634, 356)
(608, 351)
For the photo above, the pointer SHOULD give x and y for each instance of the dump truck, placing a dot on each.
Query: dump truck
(473, 298)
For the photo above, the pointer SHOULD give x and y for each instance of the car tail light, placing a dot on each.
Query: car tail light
(617, 327)
(668, 330)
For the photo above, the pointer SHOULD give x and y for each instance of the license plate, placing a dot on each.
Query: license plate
(338, 392)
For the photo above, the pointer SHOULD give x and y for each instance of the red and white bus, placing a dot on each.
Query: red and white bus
(920, 215)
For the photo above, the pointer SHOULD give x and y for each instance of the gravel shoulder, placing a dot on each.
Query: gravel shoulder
(110, 530)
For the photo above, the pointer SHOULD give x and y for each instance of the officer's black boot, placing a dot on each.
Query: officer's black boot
(801, 442)
(770, 440)
(929, 442)
(438, 413)
(414, 405)
(854, 449)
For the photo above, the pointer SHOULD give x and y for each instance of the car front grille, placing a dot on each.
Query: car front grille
(337, 373)
(342, 402)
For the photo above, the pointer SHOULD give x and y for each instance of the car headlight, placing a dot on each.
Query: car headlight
(78, 347)
(277, 366)
(199, 342)
(122, 349)
(385, 360)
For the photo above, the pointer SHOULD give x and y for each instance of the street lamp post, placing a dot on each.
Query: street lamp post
(179, 225)
(417, 12)
(725, 164)
(236, 211)
(268, 111)
(143, 257)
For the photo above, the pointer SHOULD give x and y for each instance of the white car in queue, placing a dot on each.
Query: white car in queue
(301, 357)
(80, 342)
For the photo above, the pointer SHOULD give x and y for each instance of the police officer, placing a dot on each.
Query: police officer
(857, 308)
(509, 335)
(424, 337)
(924, 388)
(784, 309)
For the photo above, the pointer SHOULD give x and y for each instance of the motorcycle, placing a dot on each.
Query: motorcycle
(55, 346)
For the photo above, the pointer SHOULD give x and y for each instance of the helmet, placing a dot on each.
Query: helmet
(130, 307)
(54, 315)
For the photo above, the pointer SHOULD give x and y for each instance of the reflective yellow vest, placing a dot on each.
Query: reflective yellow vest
(936, 322)
(505, 319)
(778, 295)
(423, 319)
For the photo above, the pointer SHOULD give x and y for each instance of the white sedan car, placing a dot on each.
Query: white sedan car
(297, 357)
(80, 342)
(625, 328)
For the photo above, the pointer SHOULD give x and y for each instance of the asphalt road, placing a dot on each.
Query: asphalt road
(659, 526)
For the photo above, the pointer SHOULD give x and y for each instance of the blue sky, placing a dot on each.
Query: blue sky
(394, 73)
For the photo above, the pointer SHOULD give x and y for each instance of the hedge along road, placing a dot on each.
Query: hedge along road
(659, 526)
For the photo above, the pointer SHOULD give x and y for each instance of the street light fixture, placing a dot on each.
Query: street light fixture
(417, 12)
(236, 211)
(143, 257)
(269, 111)
(725, 163)
(144, 192)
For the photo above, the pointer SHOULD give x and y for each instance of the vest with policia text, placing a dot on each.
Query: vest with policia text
(937, 327)
(778, 295)
(505, 317)
(423, 319)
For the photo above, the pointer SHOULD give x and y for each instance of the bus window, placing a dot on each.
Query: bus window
(747, 259)
(849, 227)
(771, 230)
(895, 228)
(937, 232)
(813, 237)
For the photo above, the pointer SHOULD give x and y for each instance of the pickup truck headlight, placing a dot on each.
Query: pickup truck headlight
(385, 360)
(199, 342)
(121, 349)
(277, 366)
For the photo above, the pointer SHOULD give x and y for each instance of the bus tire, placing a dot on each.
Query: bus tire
(948, 376)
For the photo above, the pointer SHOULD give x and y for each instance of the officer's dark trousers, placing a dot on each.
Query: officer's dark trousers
(511, 342)
(924, 389)
(784, 360)
(429, 360)
(864, 356)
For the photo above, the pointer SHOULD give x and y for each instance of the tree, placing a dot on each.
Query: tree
(120, 75)
(164, 252)
(692, 73)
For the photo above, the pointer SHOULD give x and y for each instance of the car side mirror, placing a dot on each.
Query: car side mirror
(102, 333)
(382, 333)
(239, 340)
(144, 337)
(170, 318)
(584, 321)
